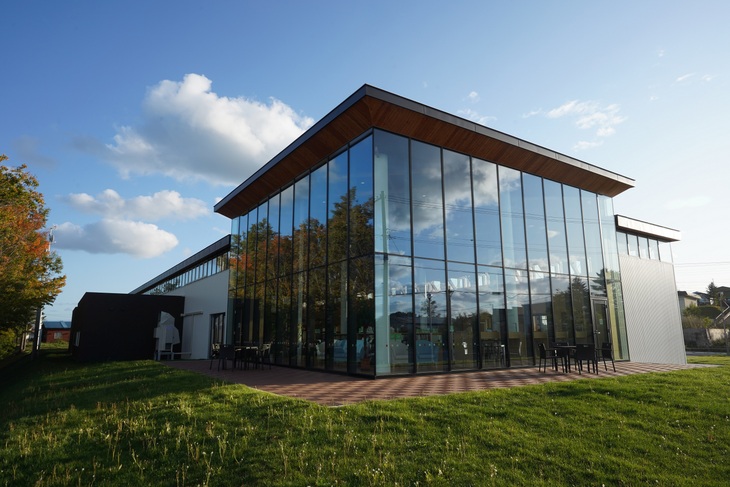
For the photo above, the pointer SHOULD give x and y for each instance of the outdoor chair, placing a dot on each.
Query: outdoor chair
(265, 354)
(226, 353)
(214, 353)
(607, 353)
(546, 355)
(586, 353)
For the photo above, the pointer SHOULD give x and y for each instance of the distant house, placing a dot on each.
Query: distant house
(56, 331)
(687, 300)
(704, 298)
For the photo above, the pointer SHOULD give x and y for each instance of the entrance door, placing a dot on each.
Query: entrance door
(601, 331)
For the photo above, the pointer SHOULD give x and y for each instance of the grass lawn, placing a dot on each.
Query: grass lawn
(142, 423)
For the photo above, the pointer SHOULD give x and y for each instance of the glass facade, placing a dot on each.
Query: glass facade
(395, 256)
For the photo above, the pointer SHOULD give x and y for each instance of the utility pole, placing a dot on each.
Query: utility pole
(39, 310)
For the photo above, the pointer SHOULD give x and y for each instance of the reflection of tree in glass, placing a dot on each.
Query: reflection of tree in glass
(429, 307)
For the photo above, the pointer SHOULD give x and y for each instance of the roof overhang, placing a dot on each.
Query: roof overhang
(638, 227)
(371, 107)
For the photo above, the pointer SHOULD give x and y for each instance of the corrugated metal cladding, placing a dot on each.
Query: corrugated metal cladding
(653, 321)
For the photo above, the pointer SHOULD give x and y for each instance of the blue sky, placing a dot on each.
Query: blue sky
(138, 116)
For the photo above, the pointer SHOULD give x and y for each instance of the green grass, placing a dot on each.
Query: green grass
(142, 423)
(709, 359)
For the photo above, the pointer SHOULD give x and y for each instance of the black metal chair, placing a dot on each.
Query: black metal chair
(265, 354)
(226, 353)
(214, 353)
(545, 355)
(586, 353)
(607, 353)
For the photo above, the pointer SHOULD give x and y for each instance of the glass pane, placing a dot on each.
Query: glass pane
(536, 228)
(518, 316)
(562, 309)
(653, 249)
(263, 233)
(318, 217)
(271, 312)
(393, 315)
(513, 220)
(592, 229)
(462, 286)
(431, 332)
(285, 231)
(581, 311)
(486, 213)
(557, 240)
(249, 259)
(301, 219)
(574, 226)
(458, 206)
(633, 242)
(623, 247)
(337, 208)
(361, 313)
(299, 315)
(361, 232)
(643, 247)
(272, 256)
(317, 318)
(665, 252)
(491, 316)
(336, 330)
(392, 194)
(280, 348)
(428, 216)
(541, 309)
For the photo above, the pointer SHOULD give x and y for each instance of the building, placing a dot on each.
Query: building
(393, 238)
(115, 326)
(56, 331)
(687, 300)
(202, 281)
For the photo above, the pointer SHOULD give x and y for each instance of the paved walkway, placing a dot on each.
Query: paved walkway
(334, 389)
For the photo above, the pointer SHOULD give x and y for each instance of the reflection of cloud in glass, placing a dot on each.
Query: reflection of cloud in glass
(484, 177)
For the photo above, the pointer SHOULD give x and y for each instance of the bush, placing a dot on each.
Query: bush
(8, 343)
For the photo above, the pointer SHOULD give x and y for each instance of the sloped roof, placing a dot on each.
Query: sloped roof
(57, 325)
(371, 107)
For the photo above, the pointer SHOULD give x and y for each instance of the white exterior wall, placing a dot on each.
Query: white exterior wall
(202, 298)
(653, 320)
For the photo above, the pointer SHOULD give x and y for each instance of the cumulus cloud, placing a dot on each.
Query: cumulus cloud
(473, 97)
(590, 115)
(163, 204)
(189, 132)
(109, 236)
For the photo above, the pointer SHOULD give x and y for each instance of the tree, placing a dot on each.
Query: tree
(713, 293)
(30, 274)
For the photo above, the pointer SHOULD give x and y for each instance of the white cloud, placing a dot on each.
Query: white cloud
(109, 236)
(163, 204)
(585, 145)
(473, 97)
(684, 77)
(190, 132)
(590, 115)
(474, 116)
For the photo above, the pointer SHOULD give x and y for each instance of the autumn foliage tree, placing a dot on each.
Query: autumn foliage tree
(30, 274)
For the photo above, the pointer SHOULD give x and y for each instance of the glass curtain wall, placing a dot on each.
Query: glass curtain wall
(395, 256)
